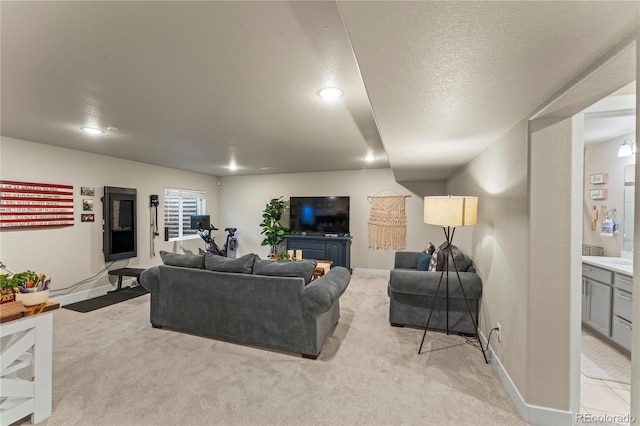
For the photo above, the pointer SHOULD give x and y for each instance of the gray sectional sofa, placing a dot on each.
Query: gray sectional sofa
(411, 294)
(247, 300)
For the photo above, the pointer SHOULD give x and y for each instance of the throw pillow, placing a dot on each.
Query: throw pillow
(241, 265)
(433, 263)
(430, 248)
(303, 269)
(457, 257)
(182, 260)
(423, 261)
(464, 264)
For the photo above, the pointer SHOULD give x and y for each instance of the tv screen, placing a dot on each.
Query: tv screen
(319, 215)
(200, 221)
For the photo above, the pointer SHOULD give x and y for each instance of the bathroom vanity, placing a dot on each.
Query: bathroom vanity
(607, 298)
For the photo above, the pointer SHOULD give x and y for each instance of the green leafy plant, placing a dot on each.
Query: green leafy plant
(283, 255)
(26, 279)
(272, 230)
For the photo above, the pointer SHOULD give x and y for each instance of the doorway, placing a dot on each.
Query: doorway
(556, 149)
(608, 227)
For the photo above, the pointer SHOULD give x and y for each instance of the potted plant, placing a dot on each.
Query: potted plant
(272, 230)
(6, 289)
(23, 282)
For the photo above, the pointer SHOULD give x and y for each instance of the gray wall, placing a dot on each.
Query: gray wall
(243, 199)
(603, 158)
(499, 244)
(71, 254)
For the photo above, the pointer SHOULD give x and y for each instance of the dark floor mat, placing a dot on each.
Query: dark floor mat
(108, 299)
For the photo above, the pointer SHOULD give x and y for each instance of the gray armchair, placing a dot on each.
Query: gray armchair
(412, 292)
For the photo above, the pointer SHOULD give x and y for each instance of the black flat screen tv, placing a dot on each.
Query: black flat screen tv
(200, 221)
(319, 215)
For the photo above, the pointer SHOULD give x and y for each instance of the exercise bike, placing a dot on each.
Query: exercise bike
(230, 245)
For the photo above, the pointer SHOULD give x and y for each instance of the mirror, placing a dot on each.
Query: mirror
(629, 202)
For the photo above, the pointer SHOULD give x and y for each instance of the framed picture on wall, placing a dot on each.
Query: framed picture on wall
(87, 218)
(87, 190)
(598, 194)
(87, 205)
(598, 178)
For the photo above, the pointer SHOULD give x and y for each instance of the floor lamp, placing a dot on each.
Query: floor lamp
(451, 212)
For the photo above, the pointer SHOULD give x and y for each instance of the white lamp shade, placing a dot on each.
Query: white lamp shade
(451, 211)
(625, 150)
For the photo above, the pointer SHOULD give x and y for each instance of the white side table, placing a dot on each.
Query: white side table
(25, 367)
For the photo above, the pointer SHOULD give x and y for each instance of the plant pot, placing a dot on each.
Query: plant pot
(31, 299)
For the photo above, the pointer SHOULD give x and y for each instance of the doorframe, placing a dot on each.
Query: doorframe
(612, 71)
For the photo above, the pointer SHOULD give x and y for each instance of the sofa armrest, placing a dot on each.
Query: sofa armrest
(425, 283)
(150, 279)
(407, 259)
(319, 295)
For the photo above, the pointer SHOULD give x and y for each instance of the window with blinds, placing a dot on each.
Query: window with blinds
(179, 206)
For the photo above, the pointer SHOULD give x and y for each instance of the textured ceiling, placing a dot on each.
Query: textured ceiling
(196, 85)
(446, 79)
(189, 85)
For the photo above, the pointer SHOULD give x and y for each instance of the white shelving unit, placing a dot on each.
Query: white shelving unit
(25, 368)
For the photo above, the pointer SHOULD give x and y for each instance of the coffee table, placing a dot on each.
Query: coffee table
(322, 267)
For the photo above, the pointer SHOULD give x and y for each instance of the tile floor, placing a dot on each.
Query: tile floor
(604, 398)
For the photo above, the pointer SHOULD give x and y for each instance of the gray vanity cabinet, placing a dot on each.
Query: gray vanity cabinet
(622, 302)
(597, 296)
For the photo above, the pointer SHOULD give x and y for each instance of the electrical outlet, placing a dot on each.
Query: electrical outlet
(499, 333)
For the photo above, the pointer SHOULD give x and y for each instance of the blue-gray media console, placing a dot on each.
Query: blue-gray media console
(336, 249)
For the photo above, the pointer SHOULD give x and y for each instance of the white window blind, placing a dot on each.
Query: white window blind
(179, 206)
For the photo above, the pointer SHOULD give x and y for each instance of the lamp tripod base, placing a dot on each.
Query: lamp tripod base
(448, 232)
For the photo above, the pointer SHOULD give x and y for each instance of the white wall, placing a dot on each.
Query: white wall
(498, 244)
(555, 274)
(603, 158)
(243, 199)
(72, 254)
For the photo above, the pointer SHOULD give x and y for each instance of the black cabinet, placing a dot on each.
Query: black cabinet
(336, 249)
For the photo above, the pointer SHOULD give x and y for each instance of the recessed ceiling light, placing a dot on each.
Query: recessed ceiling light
(92, 130)
(233, 166)
(330, 93)
(369, 157)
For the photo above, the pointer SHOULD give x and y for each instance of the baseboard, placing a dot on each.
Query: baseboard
(532, 414)
(78, 296)
(377, 272)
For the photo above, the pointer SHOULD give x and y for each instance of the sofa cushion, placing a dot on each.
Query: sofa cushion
(241, 265)
(425, 284)
(465, 264)
(183, 260)
(303, 269)
(423, 261)
(406, 259)
(459, 257)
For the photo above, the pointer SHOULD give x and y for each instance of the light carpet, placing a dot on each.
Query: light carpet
(600, 360)
(110, 367)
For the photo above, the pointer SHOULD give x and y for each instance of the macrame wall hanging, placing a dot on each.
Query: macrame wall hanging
(387, 222)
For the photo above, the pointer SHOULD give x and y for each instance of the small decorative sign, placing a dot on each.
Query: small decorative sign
(598, 194)
(599, 179)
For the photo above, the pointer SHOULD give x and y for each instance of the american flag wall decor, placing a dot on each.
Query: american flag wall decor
(35, 205)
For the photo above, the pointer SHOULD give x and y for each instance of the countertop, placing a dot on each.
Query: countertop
(616, 264)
